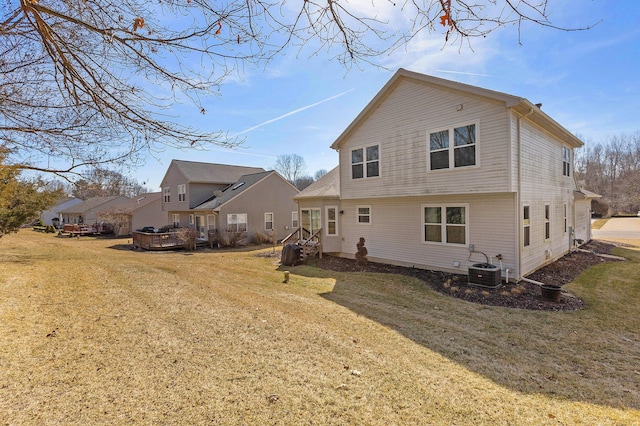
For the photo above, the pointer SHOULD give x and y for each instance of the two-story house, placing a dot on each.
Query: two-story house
(227, 198)
(437, 174)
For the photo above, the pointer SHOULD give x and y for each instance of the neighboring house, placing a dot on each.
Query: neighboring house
(86, 212)
(52, 215)
(437, 174)
(255, 203)
(202, 196)
(134, 213)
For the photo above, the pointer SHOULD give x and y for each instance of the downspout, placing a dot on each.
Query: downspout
(518, 272)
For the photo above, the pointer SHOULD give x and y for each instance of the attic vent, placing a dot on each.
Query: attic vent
(237, 186)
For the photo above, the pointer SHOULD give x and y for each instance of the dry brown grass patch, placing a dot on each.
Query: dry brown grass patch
(91, 334)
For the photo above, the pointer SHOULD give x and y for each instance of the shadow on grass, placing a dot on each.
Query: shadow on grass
(584, 355)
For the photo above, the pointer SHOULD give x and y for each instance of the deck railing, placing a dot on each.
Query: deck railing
(156, 241)
(308, 242)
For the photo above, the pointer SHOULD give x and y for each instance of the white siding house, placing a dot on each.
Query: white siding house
(437, 174)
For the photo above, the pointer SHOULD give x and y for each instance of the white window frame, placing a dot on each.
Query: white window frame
(166, 194)
(547, 222)
(451, 148)
(566, 161)
(237, 219)
(176, 220)
(360, 216)
(295, 224)
(182, 193)
(268, 221)
(192, 219)
(444, 225)
(329, 221)
(526, 225)
(365, 162)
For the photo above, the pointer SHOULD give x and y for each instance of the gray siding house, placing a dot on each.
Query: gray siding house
(437, 174)
(226, 198)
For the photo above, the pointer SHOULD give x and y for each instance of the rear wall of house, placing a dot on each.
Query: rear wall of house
(395, 234)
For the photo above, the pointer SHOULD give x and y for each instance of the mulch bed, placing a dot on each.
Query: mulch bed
(522, 295)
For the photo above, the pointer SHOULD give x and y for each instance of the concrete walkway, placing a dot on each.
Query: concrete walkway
(619, 229)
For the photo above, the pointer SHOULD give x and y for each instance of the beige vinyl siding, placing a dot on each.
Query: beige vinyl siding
(543, 183)
(330, 243)
(583, 220)
(401, 126)
(395, 233)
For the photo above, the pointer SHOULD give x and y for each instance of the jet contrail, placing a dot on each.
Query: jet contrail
(293, 112)
(464, 73)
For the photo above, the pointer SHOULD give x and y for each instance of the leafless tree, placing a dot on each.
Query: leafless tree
(89, 82)
(612, 169)
(291, 166)
(99, 182)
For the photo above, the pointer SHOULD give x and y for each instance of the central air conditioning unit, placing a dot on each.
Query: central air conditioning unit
(485, 275)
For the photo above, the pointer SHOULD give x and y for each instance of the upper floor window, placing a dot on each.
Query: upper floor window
(365, 162)
(445, 224)
(566, 161)
(451, 148)
(166, 194)
(182, 192)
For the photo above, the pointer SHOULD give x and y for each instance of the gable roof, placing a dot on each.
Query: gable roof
(91, 204)
(199, 172)
(132, 204)
(328, 186)
(238, 187)
(521, 106)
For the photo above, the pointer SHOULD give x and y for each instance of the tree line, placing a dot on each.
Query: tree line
(612, 169)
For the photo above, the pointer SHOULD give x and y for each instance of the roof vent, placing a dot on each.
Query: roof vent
(237, 186)
(217, 193)
(539, 106)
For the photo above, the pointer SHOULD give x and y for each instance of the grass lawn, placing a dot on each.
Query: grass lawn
(94, 333)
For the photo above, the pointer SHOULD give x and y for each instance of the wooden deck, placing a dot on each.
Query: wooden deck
(156, 241)
(81, 229)
(167, 240)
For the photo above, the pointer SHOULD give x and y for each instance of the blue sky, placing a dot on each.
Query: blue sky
(588, 81)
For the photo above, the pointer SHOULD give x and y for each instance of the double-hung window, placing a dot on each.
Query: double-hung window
(332, 221)
(268, 221)
(182, 192)
(452, 148)
(526, 226)
(566, 161)
(294, 220)
(166, 194)
(176, 220)
(237, 222)
(364, 214)
(547, 221)
(365, 162)
(445, 224)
